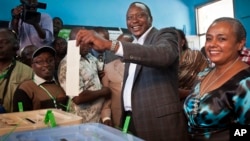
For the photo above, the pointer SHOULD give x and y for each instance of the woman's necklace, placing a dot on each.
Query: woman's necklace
(215, 80)
(198, 96)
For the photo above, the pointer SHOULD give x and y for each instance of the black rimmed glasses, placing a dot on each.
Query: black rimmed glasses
(42, 62)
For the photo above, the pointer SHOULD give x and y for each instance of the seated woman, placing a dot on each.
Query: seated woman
(42, 91)
(219, 99)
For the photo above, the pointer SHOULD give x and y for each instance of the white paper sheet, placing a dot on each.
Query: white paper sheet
(72, 73)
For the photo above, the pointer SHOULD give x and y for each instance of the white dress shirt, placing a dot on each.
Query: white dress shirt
(127, 92)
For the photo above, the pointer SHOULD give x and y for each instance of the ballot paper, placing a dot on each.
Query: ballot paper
(72, 73)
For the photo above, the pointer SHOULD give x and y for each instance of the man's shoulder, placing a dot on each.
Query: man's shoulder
(22, 71)
(27, 85)
(45, 15)
(168, 29)
(162, 31)
(154, 29)
(167, 32)
(23, 67)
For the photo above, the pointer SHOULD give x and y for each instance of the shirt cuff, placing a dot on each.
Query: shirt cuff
(119, 52)
(106, 118)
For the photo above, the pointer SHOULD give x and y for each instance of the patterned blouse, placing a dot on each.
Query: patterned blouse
(219, 108)
(88, 80)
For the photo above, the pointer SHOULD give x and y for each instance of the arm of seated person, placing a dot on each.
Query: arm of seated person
(106, 113)
(21, 96)
(88, 95)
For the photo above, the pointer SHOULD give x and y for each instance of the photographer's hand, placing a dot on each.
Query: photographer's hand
(16, 12)
(16, 15)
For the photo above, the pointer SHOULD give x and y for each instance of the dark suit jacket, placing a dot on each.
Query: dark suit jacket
(157, 112)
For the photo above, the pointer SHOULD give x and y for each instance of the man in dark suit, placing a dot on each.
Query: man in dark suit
(150, 87)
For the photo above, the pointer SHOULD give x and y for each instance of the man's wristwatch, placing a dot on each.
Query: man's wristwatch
(113, 45)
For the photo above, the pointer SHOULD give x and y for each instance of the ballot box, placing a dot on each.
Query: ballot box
(81, 132)
(32, 120)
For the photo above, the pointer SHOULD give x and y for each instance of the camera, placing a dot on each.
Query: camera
(30, 15)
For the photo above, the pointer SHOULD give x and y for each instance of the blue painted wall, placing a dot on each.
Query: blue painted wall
(111, 13)
(178, 13)
(242, 12)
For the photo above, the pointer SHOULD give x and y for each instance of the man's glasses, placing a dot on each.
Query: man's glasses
(42, 62)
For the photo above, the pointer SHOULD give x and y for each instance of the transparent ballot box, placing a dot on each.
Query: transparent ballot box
(81, 132)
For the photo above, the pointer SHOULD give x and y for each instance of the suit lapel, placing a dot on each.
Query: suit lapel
(148, 40)
(137, 70)
(126, 70)
(150, 36)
